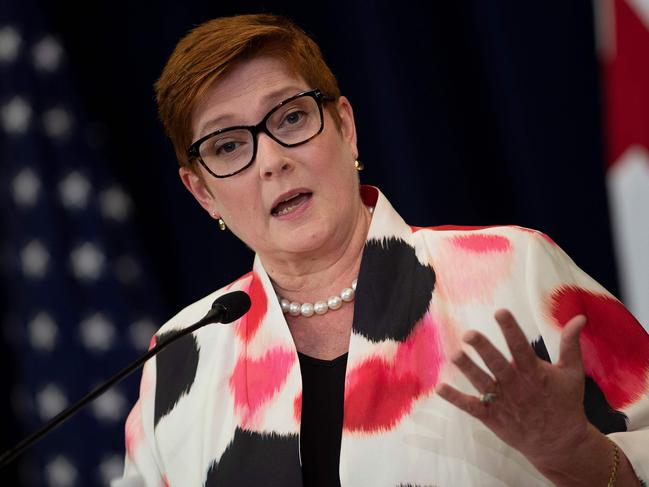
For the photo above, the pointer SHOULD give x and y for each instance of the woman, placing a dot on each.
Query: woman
(355, 365)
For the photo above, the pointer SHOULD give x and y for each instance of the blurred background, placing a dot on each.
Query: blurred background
(468, 113)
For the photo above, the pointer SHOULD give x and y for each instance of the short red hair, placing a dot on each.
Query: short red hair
(209, 52)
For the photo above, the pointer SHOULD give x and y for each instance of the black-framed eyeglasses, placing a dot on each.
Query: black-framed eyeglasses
(230, 150)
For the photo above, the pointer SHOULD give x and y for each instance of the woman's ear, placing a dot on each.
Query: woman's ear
(347, 125)
(195, 184)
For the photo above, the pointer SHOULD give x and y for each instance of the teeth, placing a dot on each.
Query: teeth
(289, 208)
(286, 210)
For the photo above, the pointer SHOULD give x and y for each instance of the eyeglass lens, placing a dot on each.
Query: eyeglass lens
(292, 123)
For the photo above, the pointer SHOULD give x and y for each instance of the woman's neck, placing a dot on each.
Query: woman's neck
(325, 272)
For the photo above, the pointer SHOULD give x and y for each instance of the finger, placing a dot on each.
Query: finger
(482, 381)
(465, 402)
(570, 347)
(522, 353)
(493, 359)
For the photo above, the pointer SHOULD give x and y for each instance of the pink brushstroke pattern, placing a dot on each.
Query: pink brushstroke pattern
(379, 392)
(247, 327)
(254, 382)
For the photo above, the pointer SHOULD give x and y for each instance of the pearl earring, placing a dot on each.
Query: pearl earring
(358, 165)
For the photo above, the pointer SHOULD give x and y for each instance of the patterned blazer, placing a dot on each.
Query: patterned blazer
(221, 407)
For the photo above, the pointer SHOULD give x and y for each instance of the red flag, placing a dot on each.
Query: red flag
(624, 54)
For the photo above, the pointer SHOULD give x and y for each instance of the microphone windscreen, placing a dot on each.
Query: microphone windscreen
(236, 304)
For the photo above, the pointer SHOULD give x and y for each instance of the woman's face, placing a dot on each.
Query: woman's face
(321, 171)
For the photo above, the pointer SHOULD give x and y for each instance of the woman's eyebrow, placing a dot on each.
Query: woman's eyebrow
(269, 100)
(211, 124)
(282, 93)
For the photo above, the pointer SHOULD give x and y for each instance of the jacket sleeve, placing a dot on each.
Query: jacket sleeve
(142, 464)
(615, 346)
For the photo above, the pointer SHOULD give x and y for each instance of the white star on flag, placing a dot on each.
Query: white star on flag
(74, 190)
(140, 333)
(26, 187)
(34, 259)
(47, 54)
(97, 333)
(60, 472)
(87, 261)
(9, 44)
(111, 468)
(57, 122)
(15, 115)
(110, 406)
(115, 203)
(42, 332)
(50, 401)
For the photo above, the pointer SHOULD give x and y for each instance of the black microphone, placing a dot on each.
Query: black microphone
(225, 309)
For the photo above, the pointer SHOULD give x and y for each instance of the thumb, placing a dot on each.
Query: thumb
(570, 348)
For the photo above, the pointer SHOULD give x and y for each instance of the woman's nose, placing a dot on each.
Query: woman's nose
(272, 158)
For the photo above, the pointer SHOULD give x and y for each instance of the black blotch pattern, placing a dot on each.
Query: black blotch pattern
(540, 349)
(175, 372)
(253, 460)
(598, 411)
(394, 290)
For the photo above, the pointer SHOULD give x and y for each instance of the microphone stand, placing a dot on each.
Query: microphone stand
(216, 314)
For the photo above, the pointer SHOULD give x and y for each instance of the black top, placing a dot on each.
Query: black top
(323, 392)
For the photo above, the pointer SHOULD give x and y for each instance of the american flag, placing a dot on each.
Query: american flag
(79, 305)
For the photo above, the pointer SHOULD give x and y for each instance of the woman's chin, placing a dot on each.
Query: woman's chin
(303, 240)
(303, 245)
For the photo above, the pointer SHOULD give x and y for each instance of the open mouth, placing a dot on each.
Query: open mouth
(290, 204)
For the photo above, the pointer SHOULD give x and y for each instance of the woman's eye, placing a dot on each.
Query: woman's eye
(227, 147)
(293, 117)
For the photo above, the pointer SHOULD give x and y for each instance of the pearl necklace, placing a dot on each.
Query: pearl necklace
(319, 307)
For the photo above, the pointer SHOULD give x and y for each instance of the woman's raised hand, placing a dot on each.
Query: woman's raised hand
(534, 406)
